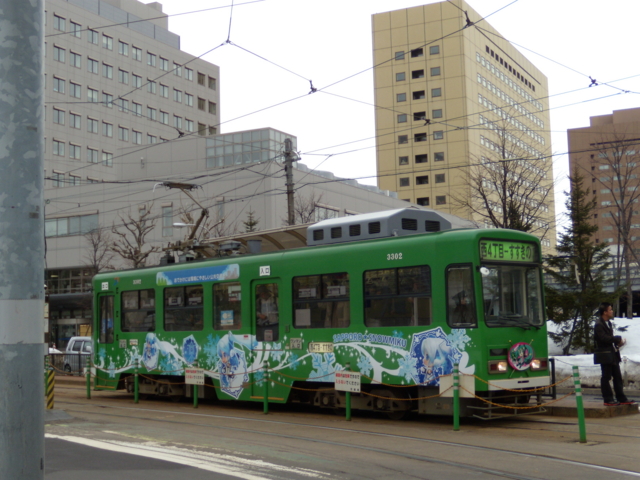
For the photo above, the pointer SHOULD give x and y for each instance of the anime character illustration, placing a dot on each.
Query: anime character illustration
(434, 356)
(150, 352)
(232, 366)
(520, 356)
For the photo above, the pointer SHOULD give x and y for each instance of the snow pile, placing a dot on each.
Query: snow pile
(590, 373)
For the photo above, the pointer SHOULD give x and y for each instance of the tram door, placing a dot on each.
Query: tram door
(104, 322)
(266, 324)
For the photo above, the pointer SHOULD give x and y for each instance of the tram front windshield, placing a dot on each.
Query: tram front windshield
(512, 296)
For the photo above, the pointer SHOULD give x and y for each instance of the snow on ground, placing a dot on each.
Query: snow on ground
(590, 373)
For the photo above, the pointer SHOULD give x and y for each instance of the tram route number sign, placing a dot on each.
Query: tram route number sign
(194, 376)
(504, 251)
(321, 347)
(348, 381)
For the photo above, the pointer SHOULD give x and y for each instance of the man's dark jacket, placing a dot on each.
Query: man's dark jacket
(605, 340)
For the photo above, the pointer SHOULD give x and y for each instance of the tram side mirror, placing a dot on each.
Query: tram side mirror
(484, 271)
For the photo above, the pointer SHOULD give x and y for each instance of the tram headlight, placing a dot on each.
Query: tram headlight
(498, 366)
(539, 364)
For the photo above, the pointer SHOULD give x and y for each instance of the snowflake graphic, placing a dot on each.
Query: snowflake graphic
(211, 349)
(406, 367)
(364, 364)
(102, 353)
(170, 365)
(397, 334)
(293, 361)
(459, 338)
(276, 352)
(112, 369)
(324, 366)
(258, 377)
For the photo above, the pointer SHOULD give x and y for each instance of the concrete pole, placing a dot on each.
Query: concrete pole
(21, 239)
(288, 169)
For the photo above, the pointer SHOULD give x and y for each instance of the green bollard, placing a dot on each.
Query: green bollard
(195, 389)
(456, 398)
(348, 396)
(579, 404)
(88, 376)
(266, 387)
(135, 384)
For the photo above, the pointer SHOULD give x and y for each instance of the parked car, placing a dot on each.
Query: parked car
(75, 358)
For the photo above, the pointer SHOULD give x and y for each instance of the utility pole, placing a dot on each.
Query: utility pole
(21, 239)
(289, 158)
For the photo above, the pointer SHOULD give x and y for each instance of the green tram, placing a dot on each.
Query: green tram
(399, 296)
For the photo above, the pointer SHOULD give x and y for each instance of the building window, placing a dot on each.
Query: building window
(152, 113)
(107, 100)
(59, 23)
(92, 155)
(423, 201)
(164, 91)
(76, 30)
(107, 129)
(57, 179)
(164, 117)
(324, 213)
(136, 137)
(438, 135)
(75, 59)
(436, 92)
(188, 99)
(401, 97)
(177, 95)
(92, 180)
(75, 152)
(75, 90)
(422, 180)
(189, 125)
(177, 70)
(201, 78)
(441, 200)
(402, 118)
(436, 113)
(93, 36)
(76, 225)
(201, 103)
(212, 83)
(74, 180)
(151, 86)
(92, 125)
(420, 137)
(151, 59)
(212, 108)
(419, 116)
(438, 157)
(123, 77)
(107, 71)
(440, 178)
(417, 52)
(400, 77)
(92, 95)
(58, 85)
(419, 95)
(58, 116)
(403, 139)
(164, 64)
(137, 109)
(123, 48)
(137, 53)
(435, 71)
(123, 105)
(399, 55)
(107, 159)
(212, 130)
(58, 148)
(59, 54)
(188, 74)
(107, 42)
(123, 134)
(167, 221)
(422, 158)
(177, 121)
(137, 81)
(202, 129)
(151, 139)
(92, 65)
(403, 160)
(417, 74)
(75, 120)
(404, 182)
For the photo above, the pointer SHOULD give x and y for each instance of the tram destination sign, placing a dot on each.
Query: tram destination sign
(347, 381)
(505, 251)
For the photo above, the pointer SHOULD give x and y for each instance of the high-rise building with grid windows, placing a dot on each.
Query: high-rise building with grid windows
(451, 94)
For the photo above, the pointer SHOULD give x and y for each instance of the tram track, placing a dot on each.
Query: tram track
(393, 439)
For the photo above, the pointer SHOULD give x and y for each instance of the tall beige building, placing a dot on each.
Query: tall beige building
(450, 96)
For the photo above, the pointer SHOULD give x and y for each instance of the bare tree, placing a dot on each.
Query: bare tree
(617, 164)
(99, 254)
(130, 241)
(212, 226)
(510, 188)
(305, 208)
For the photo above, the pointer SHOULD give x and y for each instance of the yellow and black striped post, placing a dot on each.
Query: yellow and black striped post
(50, 385)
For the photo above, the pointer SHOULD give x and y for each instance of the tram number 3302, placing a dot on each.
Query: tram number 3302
(394, 256)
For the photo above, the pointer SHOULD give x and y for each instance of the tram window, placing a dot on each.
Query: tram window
(138, 311)
(106, 319)
(461, 305)
(267, 314)
(183, 310)
(226, 306)
(397, 297)
(321, 301)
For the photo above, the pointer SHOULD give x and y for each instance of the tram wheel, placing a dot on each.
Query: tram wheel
(394, 404)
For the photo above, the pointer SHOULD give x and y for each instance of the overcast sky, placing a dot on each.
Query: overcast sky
(330, 41)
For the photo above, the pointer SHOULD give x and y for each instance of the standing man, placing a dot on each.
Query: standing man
(606, 341)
